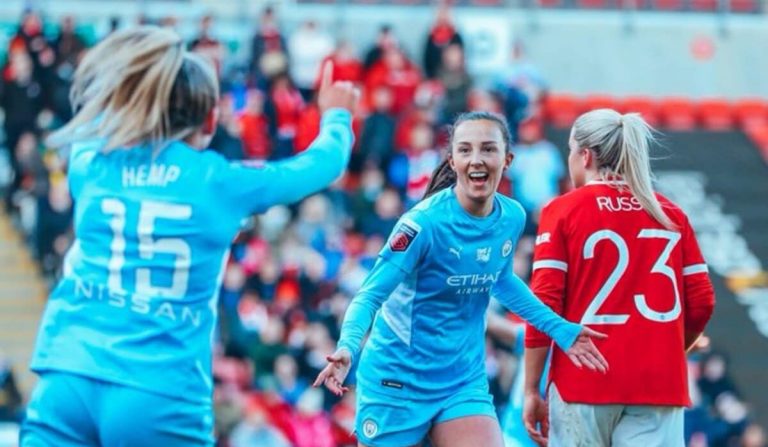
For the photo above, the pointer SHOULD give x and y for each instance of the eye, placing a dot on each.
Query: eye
(490, 148)
(463, 149)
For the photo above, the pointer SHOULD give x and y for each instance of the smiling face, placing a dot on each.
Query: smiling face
(479, 157)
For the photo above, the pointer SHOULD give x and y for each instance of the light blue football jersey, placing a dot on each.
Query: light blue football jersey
(137, 302)
(427, 296)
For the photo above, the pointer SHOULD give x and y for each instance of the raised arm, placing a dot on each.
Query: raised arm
(256, 188)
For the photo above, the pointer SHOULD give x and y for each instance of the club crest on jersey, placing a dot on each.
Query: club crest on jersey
(483, 254)
(370, 428)
(507, 248)
(405, 234)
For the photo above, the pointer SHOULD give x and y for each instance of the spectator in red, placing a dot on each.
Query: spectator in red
(30, 36)
(407, 122)
(308, 127)
(442, 34)
(255, 429)
(207, 45)
(398, 73)
(343, 419)
(287, 104)
(311, 424)
(254, 126)
(346, 67)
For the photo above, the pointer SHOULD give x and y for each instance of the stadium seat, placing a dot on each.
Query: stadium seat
(716, 114)
(593, 102)
(668, 5)
(751, 113)
(759, 136)
(549, 3)
(743, 5)
(592, 4)
(646, 107)
(631, 4)
(486, 2)
(704, 5)
(677, 114)
(561, 110)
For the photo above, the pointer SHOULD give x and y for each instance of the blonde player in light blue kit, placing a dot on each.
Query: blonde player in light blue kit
(125, 345)
(422, 372)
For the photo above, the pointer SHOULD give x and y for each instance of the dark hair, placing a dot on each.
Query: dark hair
(443, 176)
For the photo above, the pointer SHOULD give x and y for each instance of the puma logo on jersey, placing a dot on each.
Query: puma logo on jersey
(455, 251)
(543, 238)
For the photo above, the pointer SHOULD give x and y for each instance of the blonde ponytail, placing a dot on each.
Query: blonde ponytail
(124, 91)
(621, 144)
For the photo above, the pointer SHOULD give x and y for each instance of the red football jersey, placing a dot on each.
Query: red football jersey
(603, 261)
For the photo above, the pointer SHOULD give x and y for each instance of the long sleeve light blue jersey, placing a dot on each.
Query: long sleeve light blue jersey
(427, 295)
(137, 302)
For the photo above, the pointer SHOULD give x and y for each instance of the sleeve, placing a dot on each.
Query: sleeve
(256, 188)
(401, 255)
(550, 267)
(378, 285)
(512, 292)
(698, 292)
(408, 242)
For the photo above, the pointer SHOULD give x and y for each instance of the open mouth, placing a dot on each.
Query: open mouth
(478, 178)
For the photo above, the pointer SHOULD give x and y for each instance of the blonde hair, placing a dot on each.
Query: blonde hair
(621, 144)
(139, 86)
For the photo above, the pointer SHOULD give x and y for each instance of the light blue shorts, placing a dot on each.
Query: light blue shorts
(68, 410)
(387, 421)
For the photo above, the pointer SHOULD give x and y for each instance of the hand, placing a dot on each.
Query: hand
(336, 94)
(535, 415)
(584, 353)
(334, 374)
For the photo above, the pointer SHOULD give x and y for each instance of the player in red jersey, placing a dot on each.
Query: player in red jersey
(623, 260)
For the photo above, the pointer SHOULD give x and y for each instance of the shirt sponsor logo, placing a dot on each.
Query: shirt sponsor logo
(150, 307)
(403, 237)
(471, 284)
(483, 254)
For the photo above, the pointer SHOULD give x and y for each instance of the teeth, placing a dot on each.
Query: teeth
(477, 175)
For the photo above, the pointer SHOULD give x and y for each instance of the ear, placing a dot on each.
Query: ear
(450, 163)
(209, 124)
(587, 158)
(508, 157)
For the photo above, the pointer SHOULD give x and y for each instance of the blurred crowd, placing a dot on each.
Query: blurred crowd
(294, 270)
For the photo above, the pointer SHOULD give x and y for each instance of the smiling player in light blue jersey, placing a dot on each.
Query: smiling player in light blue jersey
(124, 350)
(422, 371)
